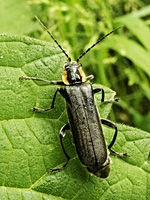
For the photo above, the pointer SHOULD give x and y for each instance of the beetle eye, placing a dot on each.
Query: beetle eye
(66, 66)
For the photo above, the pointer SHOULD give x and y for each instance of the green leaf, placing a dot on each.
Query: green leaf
(29, 142)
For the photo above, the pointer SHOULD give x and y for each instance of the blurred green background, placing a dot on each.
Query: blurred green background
(121, 61)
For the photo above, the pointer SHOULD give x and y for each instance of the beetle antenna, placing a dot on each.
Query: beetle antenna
(53, 38)
(98, 42)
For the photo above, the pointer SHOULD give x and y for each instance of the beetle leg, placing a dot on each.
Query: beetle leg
(89, 77)
(61, 91)
(62, 133)
(103, 95)
(112, 125)
(40, 79)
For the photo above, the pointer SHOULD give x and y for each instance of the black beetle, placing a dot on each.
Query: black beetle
(84, 120)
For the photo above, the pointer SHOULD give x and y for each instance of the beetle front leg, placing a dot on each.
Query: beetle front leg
(89, 77)
(62, 134)
(61, 91)
(103, 96)
(40, 79)
(113, 125)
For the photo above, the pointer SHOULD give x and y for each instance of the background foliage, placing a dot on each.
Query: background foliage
(121, 62)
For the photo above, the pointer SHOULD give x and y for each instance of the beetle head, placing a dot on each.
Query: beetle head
(73, 74)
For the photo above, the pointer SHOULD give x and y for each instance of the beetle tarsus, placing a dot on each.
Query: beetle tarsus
(89, 77)
(119, 154)
(40, 110)
(110, 101)
(60, 168)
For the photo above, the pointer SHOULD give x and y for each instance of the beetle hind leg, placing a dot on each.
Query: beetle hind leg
(62, 133)
(113, 125)
(118, 154)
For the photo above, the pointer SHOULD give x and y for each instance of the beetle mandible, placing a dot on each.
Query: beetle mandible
(84, 120)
